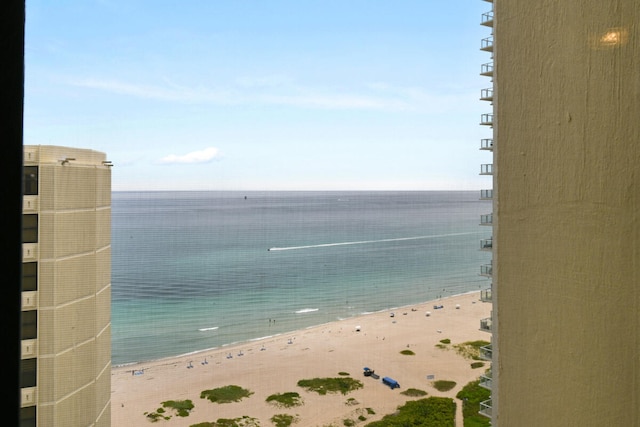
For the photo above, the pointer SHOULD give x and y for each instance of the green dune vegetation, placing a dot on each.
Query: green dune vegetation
(444, 385)
(471, 395)
(323, 386)
(414, 392)
(285, 400)
(227, 394)
(428, 412)
(181, 408)
(231, 422)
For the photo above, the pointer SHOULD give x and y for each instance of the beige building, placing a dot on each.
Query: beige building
(66, 288)
(566, 213)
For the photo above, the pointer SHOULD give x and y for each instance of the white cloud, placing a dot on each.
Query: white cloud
(201, 156)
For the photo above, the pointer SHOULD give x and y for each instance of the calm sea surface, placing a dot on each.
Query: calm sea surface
(197, 270)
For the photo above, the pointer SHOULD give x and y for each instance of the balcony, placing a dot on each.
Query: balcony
(485, 324)
(30, 204)
(486, 144)
(486, 194)
(486, 270)
(486, 380)
(28, 396)
(486, 219)
(29, 349)
(486, 244)
(486, 44)
(29, 300)
(486, 353)
(29, 252)
(486, 119)
(485, 408)
(486, 169)
(486, 94)
(487, 19)
(486, 69)
(485, 295)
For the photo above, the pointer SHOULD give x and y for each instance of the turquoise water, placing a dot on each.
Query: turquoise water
(197, 270)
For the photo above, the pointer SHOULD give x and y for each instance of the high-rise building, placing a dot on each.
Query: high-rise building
(487, 169)
(66, 288)
(566, 213)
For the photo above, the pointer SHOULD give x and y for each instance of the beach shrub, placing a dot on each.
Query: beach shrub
(428, 412)
(344, 374)
(244, 421)
(407, 353)
(155, 416)
(283, 420)
(471, 395)
(285, 400)
(471, 349)
(348, 423)
(182, 407)
(227, 394)
(370, 411)
(476, 365)
(443, 385)
(446, 341)
(351, 402)
(414, 392)
(362, 418)
(323, 386)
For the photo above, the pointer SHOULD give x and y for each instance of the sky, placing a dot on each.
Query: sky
(263, 94)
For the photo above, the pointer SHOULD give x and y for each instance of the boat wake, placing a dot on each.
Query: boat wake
(307, 310)
(363, 242)
(208, 329)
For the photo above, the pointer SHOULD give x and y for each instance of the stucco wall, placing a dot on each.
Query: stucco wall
(567, 210)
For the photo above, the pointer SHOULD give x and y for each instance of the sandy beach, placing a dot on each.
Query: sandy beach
(275, 365)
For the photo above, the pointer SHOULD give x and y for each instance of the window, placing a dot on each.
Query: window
(30, 276)
(30, 228)
(28, 417)
(30, 181)
(29, 330)
(28, 369)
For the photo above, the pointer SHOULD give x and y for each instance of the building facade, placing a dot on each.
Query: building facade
(566, 210)
(66, 288)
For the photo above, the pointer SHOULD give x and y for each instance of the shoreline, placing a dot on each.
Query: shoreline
(267, 337)
(276, 363)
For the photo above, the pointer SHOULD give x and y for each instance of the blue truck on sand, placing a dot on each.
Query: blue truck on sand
(390, 382)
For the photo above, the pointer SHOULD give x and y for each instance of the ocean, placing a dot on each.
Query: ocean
(198, 270)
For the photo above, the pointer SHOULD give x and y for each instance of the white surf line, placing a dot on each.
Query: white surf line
(397, 239)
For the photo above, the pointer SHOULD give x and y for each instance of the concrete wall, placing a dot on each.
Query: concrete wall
(567, 211)
(74, 286)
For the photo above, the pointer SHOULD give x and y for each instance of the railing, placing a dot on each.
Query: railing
(487, 19)
(485, 295)
(485, 324)
(485, 408)
(486, 94)
(486, 219)
(486, 69)
(486, 119)
(486, 353)
(486, 169)
(486, 244)
(486, 270)
(487, 44)
(486, 381)
(486, 144)
(486, 194)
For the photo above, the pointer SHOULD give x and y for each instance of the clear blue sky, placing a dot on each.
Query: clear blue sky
(263, 94)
